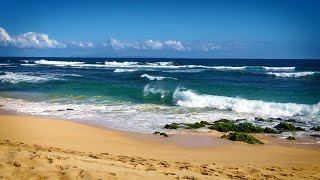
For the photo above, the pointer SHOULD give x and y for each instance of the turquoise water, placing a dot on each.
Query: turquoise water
(144, 94)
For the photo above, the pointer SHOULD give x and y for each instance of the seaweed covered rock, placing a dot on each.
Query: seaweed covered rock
(171, 126)
(196, 125)
(247, 138)
(242, 127)
(316, 128)
(223, 126)
(283, 126)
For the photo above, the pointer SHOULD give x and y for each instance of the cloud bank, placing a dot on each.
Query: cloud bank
(43, 41)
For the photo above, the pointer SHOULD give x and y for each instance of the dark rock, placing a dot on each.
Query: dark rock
(69, 109)
(316, 128)
(291, 138)
(163, 134)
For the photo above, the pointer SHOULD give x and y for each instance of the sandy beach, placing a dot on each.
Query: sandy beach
(40, 148)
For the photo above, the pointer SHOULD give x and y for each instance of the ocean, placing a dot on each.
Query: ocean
(143, 94)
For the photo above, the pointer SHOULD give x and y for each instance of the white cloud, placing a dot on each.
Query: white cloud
(147, 45)
(156, 45)
(36, 40)
(79, 44)
(177, 45)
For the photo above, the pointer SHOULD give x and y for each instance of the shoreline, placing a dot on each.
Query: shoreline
(75, 139)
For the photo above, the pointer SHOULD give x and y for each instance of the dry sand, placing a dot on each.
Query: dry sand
(39, 148)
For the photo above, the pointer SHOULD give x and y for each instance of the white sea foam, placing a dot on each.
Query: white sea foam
(188, 98)
(4, 64)
(291, 75)
(14, 78)
(25, 61)
(158, 78)
(124, 70)
(279, 68)
(58, 63)
(139, 117)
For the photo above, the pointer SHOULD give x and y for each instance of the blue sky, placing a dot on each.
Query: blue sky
(206, 29)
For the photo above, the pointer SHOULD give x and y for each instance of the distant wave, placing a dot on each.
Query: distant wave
(58, 63)
(189, 98)
(278, 68)
(3, 64)
(124, 70)
(291, 75)
(156, 77)
(13, 78)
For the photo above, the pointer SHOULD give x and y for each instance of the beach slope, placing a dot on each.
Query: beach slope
(39, 148)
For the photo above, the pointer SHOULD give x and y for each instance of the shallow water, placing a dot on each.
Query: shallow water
(144, 94)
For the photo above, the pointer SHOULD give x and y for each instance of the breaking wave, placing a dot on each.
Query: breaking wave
(189, 98)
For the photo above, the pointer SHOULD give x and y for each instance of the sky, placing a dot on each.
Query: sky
(161, 28)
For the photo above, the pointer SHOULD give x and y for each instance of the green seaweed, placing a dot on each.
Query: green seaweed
(247, 138)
